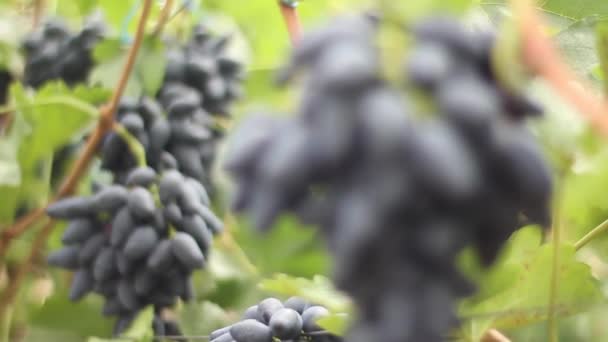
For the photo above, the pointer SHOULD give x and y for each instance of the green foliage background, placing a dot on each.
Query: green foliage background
(245, 266)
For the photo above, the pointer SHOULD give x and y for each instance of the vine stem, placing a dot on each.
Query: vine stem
(105, 124)
(554, 285)
(540, 55)
(38, 12)
(595, 232)
(494, 335)
(134, 145)
(292, 21)
(163, 18)
(9, 295)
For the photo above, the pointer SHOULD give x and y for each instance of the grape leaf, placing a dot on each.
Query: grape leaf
(525, 300)
(55, 115)
(288, 247)
(573, 10)
(60, 314)
(336, 323)
(148, 72)
(150, 67)
(602, 49)
(199, 319)
(577, 42)
(577, 9)
(116, 12)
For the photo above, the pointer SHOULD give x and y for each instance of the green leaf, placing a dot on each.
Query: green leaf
(115, 12)
(577, 9)
(106, 75)
(505, 57)
(578, 44)
(525, 300)
(584, 203)
(336, 324)
(602, 49)
(413, 10)
(150, 65)
(289, 247)
(107, 49)
(10, 170)
(56, 117)
(319, 290)
(148, 72)
(199, 319)
(61, 315)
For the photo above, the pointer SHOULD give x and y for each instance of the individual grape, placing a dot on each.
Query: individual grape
(268, 307)
(142, 176)
(217, 333)
(286, 324)
(141, 203)
(170, 186)
(79, 230)
(252, 313)
(212, 221)
(310, 317)
(187, 251)
(161, 259)
(196, 228)
(251, 330)
(429, 65)
(124, 265)
(141, 243)
(127, 296)
(297, 304)
(104, 266)
(82, 284)
(91, 248)
(123, 225)
(110, 198)
(143, 283)
(173, 213)
(67, 257)
(70, 208)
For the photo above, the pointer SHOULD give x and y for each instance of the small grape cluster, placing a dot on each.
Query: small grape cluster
(137, 245)
(201, 82)
(398, 197)
(271, 320)
(53, 52)
(203, 64)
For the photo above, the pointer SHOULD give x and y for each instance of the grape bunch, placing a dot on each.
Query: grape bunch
(273, 320)
(53, 52)
(397, 195)
(204, 65)
(137, 245)
(201, 82)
